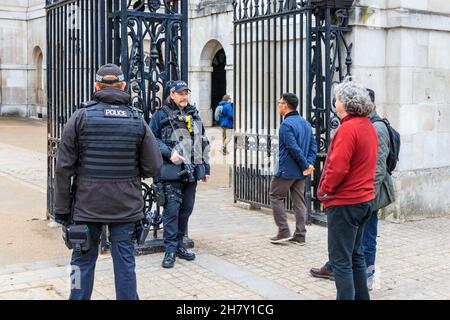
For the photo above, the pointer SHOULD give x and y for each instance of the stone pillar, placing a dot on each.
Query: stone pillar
(200, 84)
(230, 80)
(401, 51)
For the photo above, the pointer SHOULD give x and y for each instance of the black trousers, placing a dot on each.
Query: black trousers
(345, 231)
(177, 210)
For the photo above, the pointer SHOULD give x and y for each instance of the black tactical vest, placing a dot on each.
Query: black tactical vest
(188, 126)
(109, 142)
(179, 122)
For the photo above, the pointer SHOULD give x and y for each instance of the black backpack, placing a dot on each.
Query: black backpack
(394, 146)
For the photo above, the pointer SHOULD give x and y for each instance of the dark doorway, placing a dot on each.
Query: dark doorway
(218, 80)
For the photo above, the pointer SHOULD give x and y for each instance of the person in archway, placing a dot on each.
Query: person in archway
(225, 115)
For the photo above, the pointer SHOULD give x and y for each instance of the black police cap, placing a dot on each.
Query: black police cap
(177, 86)
(109, 69)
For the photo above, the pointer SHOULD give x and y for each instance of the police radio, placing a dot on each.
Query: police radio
(77, 237)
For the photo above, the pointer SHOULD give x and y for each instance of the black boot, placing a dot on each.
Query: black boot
(169, 260)
(182, 253)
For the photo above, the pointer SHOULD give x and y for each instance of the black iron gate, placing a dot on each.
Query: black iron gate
(284, 46)
(147, 38)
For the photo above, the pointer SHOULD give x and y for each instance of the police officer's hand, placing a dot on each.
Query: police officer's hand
(206, 178)
(176, 158)
(62, 219)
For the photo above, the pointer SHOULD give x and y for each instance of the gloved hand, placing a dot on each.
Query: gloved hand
(62, 219)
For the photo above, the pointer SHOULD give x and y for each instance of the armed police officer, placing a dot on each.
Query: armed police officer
(180, 133)
(105, 149)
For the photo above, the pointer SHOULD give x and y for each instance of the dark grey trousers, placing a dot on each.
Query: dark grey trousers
(279, 190)
(345, 233)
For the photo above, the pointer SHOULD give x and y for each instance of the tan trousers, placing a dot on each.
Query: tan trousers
(279, 190)
(226, 137)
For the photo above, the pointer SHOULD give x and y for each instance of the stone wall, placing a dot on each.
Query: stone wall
(401, 50)
(22, 58)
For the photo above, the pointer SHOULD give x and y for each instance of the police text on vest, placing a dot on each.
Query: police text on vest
(116, 113)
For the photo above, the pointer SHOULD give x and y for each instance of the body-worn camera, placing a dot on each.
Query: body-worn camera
(77, 237)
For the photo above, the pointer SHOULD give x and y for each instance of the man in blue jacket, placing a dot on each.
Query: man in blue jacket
(296, 156)
(226, 121)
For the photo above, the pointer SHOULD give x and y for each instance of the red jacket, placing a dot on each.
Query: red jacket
(349, 172)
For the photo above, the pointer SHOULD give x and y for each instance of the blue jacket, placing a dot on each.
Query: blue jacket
(226, 120)
(297, 147)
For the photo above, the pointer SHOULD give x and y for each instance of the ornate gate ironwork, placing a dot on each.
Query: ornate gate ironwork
(284, 46)
(147, 38)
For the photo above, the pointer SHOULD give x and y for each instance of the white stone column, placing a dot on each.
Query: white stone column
(230, 80)
(200, 84)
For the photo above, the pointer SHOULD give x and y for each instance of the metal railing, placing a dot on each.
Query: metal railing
(148, 39)
(284, 46)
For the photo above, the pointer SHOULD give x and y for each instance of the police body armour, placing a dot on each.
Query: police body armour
(109, 142)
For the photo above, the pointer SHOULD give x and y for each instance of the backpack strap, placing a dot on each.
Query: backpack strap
(384, 120)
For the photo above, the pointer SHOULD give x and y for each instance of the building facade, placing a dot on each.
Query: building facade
(22, 58)
(400, 50)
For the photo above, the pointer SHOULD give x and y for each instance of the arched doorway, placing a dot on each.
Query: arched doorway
(209, 79)
(218, 80)
(38, 81)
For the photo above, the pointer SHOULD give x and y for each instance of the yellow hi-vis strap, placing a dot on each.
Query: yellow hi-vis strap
(189, 124)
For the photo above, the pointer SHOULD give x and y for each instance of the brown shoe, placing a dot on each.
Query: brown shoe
(280, 237)
(322, 272)
(297, 240)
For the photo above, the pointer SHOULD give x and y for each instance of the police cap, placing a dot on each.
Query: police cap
(109, 69)
(177, 86)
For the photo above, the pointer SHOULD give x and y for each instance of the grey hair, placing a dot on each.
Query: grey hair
(355, 98)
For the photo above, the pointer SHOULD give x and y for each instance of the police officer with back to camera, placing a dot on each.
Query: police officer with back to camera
(105, 150)
(180, 133)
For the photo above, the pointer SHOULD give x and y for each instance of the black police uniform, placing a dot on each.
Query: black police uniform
(179, 192)
(108, 147)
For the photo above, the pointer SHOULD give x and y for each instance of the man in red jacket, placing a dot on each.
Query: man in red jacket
(346, 189)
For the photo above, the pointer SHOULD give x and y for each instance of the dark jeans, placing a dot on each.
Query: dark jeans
(345, 232)
(122, 251)
(369, 244)
(176, 215)
(104, 237)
